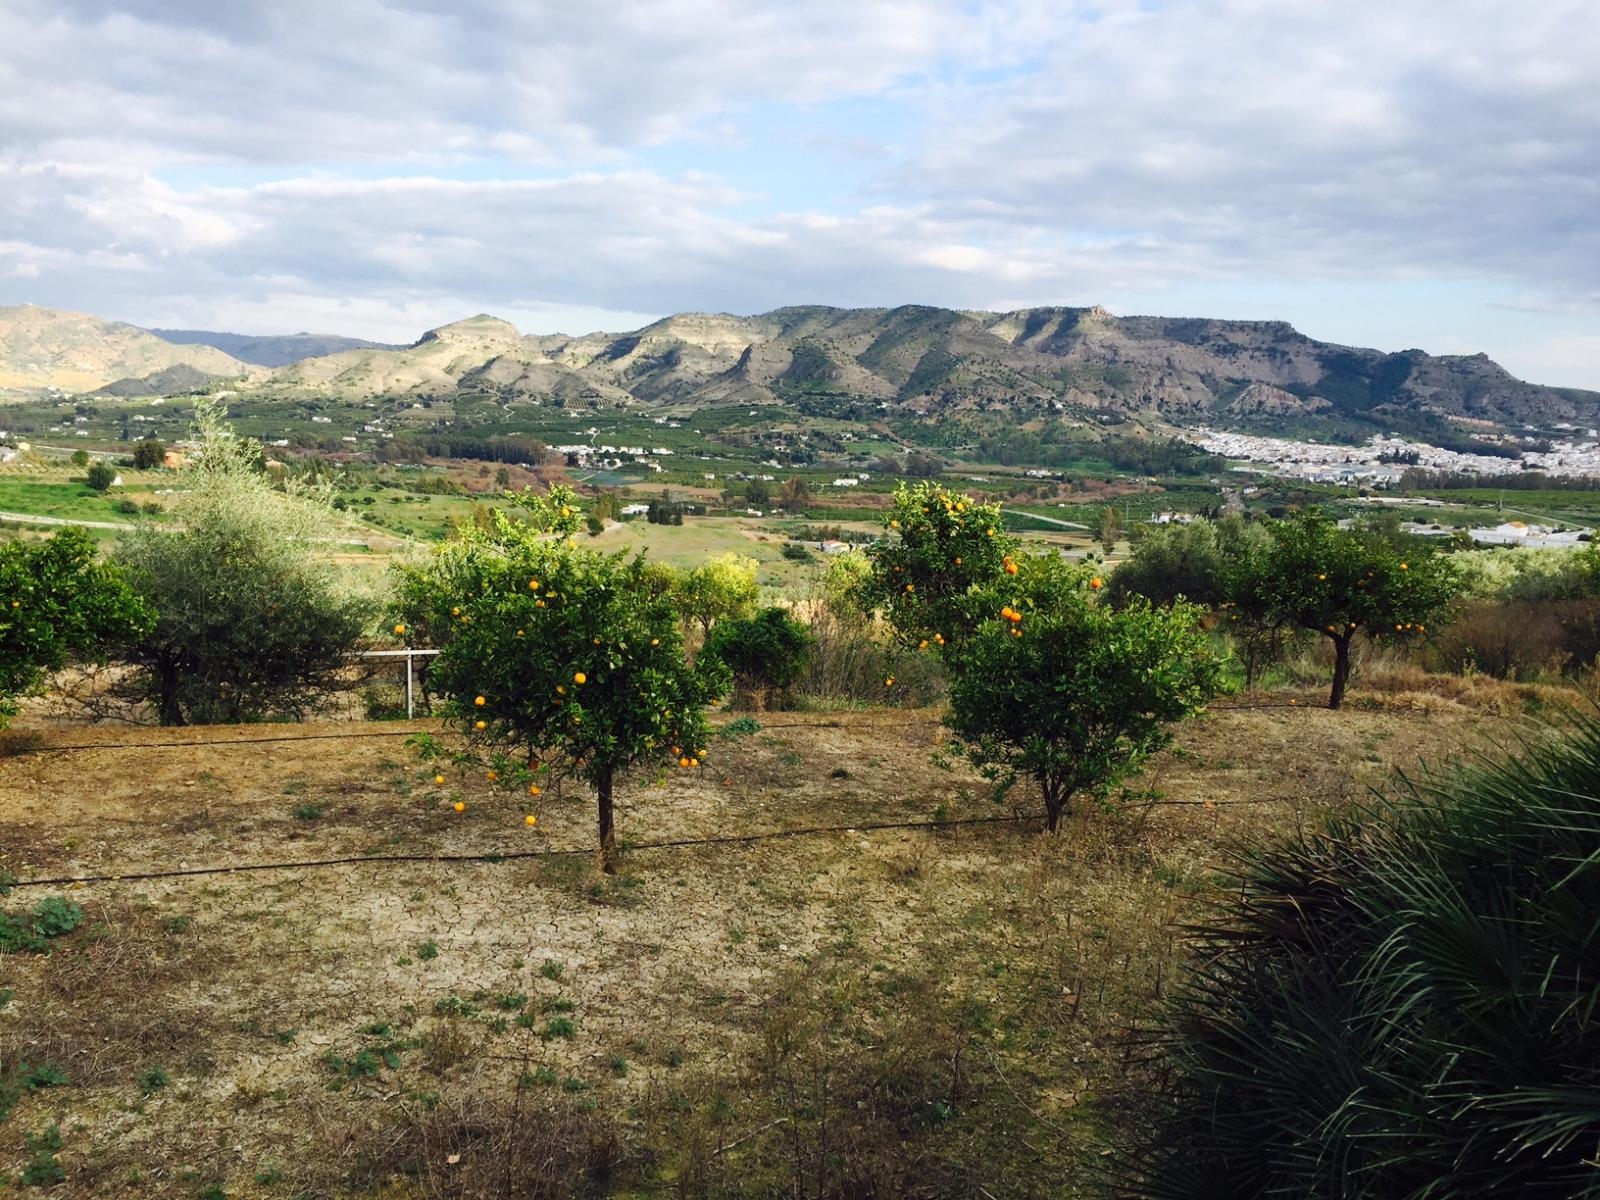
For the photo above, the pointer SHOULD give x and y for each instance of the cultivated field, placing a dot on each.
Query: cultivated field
(946, 1009)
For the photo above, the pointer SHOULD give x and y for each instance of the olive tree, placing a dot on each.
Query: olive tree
(251, 620)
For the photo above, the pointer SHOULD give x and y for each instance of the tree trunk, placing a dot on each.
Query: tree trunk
(608, 827)
(1341, 668)
(1055, 803)
(169, 711)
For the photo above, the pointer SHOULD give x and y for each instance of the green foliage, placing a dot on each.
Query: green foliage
(52, 917)
(151, 1080)
(723, 589)
(1336, 582)
(250, 623)
(928, 580)
(17, 1080)
(44, 1168)
(149, 453)
(568, 659)
(57, 604)
(765, 652)
(101, 476)
(80, 458)
(1069, 691)
(1401, 1005)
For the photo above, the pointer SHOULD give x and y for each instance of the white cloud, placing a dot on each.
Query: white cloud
(394, 163)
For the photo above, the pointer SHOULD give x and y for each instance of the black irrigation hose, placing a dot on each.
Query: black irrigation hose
(671, 844)
(513, 855)
(20, 751)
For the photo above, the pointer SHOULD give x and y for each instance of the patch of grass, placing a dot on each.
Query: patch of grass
(564, 1028)
(551, 969)
(308, 812)
(43, 1168)
(428, 951)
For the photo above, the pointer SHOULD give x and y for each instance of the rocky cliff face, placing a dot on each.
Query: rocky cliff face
(931, 361)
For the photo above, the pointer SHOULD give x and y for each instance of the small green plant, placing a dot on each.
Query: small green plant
(44, 1163)
(428, 951)
(740, 727)
(309, 812)
(551, 969)
(152, 1079)
(564, 1028)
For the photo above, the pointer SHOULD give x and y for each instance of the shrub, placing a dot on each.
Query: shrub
(766, 652)
(1400, 1005)
(101, 476)
(250, 622)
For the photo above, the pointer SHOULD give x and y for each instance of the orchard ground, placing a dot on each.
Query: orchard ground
(936, 1009)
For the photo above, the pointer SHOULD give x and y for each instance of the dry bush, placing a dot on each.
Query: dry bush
(1520, 640)
(852, 657)
(470, 1146)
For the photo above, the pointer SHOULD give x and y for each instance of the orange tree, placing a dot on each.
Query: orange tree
(58, 604)
(1058, 686)
(556, 660)
(929, 574)
(1338, 582)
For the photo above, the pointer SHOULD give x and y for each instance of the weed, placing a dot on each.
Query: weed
(308, 812)
(551, 969)
(510, 1001)
(44, 1164)
(52, 917)
(152, 1079)
(177, 924)
(619, 1066)
(428, 951)
(559, 1027)
(573, 1084)
(741, 727)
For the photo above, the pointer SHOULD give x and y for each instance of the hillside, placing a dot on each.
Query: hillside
(43, 347)
(936, 361)
(272, 350)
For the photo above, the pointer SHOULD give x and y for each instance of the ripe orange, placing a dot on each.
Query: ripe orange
(533, 789)
(455, 612)
(480, 725)
(480, 701)
(438, 778)
(923, 644)
(1404, 567)
(530, 820)
(399, 629)
(519, 633)
(579, 677)
(655, 641)
(1011, 568)
(1097, 583)
(683, 762)
(694, 762)
(459, 806)
(889, 682)
(533, 585)
(493, 775)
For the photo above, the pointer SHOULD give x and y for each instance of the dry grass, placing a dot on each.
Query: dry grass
(860, 1012)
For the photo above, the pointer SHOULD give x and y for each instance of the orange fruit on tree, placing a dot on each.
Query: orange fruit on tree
(399, 629)
(1097, 583)
(684, 761)
(579, 677)
(533, 585)
(479, 701)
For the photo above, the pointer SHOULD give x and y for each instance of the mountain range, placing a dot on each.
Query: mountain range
(914, 359)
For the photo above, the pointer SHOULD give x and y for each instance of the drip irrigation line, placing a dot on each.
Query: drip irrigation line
(19, 751)
(494, 857)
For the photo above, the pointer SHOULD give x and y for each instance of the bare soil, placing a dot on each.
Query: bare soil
(931, 1010)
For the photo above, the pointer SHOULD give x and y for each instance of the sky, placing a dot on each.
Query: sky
(1386, 173)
